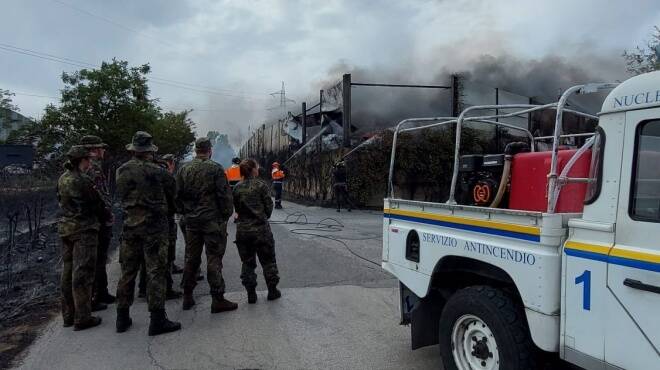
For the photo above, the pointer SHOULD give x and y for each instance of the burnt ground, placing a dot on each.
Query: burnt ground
(29, 289)
(30, 268)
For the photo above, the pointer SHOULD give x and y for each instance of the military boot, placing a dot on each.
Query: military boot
(188, 301)
(87, 323)
(173, 294)
(220, 304)
(98, 306)
(160, 324)
(124, 320)
(106, 298)
(273, 293)
(67, 322)
(252, 295)
(176, 269)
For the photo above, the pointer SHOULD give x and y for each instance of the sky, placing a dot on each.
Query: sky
(226, 57)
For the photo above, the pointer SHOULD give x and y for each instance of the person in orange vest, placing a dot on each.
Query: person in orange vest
(277, 176)
(234, 172)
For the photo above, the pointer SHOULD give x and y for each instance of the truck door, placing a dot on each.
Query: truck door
(632, 338)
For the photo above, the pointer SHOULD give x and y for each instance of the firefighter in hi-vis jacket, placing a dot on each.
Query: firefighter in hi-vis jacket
(234, 172)
(277, 175)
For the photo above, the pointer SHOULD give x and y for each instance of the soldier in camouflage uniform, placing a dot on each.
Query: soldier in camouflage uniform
(96, 149)
(174, 269)
(204, 199)
(253, 235)
(171, 236)
(171, 246)
(143, 190)
(82, 212)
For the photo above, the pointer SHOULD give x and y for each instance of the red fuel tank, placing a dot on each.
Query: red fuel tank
(529, 181)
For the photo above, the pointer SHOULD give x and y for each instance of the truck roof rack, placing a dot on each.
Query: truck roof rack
(555, 181)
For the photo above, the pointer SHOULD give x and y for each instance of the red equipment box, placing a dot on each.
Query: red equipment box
(529, 181)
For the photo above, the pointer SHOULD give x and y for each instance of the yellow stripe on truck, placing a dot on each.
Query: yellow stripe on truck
(532, 230)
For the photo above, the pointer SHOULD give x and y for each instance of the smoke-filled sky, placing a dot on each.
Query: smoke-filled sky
(243, 49)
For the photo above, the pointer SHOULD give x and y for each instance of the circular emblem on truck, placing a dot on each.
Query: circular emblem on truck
(481, 193)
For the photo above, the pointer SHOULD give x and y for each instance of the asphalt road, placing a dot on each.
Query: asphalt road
(339, 310)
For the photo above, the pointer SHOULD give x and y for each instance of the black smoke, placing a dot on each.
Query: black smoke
(542, 79)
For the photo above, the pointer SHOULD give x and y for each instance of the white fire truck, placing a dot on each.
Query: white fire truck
(556, 250)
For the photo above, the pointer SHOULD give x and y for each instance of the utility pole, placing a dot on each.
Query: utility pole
(455, 96)
(498, 135)
(321, 107)
(304, 123)
(346, 111)
(320, 120)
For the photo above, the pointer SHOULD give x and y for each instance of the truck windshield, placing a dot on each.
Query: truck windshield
(645, 195)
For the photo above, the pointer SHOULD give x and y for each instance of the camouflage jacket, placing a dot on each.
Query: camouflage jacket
(203, 193)
(253, 203)
(143, 189)
(95, 172)
(170, 194)
(81, 204)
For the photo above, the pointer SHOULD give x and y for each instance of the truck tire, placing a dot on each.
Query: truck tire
(482, 328)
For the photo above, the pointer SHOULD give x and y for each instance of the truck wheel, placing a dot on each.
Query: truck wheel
(481, 328)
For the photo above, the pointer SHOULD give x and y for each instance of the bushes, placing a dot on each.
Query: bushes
(423, 166)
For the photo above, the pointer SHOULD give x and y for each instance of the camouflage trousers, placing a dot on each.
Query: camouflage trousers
(256, 243)
(211, 236)
(101, 276)
(137, 246)
(171, 256)
(79, 261)
(171, 251)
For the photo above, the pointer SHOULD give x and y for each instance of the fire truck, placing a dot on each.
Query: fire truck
(551, 251)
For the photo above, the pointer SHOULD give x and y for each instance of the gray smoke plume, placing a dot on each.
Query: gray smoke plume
(544, 79)
(541, 79)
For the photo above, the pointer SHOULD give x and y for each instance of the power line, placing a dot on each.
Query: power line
(161, 82)
(154, 79)
(112, 22)
(44, 55)
(35, 95)
(208, 87)
(195, 109)
(117, 24)
(59, 60)
(212, 109)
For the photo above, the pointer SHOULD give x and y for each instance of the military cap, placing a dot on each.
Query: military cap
(77, 152)
(168, 157)
(92, 142)
(203, 143)
(142, 142)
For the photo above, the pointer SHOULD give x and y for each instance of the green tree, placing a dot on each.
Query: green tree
(111, 102)
(6, 100)
(646, 58)
(173, 133)
(212, 135)
(5, 105)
